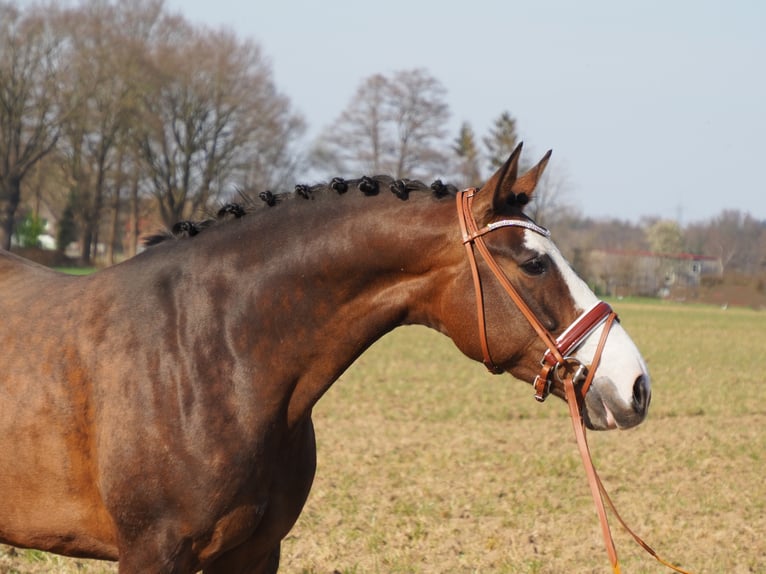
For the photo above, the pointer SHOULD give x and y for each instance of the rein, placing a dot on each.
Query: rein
(557, 361)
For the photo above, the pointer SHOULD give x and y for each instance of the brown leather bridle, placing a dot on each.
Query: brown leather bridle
(557, 360)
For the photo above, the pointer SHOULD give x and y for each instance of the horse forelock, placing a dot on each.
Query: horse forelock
(366, 185)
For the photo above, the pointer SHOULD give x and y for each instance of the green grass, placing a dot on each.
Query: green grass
(428, 464)
(76, 270)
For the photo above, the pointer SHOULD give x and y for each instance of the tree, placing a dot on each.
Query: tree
(665, 237)
(105, 42)
(549, 204)
(129, 101)
(29, 230)
(210, 106)
(469, 171)
(419, 113)
(31, 109)
(501, 140)
(392, 125)
(358, 139)
(67, 229)
(734, 237)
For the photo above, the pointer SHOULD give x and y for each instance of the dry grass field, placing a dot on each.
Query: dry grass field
(427, 464)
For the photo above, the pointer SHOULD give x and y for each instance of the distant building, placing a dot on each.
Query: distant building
(620, 272)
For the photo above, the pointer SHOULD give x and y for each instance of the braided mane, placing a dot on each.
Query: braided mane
(367, 185)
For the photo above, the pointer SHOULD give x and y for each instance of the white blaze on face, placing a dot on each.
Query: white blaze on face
(621, 362)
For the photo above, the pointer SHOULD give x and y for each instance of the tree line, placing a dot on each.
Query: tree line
(103, 105)
(113, 114)
(737, 239)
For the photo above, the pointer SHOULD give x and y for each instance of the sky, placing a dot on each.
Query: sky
(652, 108)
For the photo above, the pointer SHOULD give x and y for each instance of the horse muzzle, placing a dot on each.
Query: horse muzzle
(604, 407)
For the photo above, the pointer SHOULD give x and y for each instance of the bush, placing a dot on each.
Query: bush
(29, 230)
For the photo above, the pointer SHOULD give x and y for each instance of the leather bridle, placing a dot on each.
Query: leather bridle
(558, 360)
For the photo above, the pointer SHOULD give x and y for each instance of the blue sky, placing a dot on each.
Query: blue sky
(652, 108)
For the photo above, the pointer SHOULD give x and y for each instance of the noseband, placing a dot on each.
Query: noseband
(558, 361)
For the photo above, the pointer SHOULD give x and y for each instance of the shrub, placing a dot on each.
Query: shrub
(29, 230)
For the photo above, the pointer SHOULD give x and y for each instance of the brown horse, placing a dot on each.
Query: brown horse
(158, 412)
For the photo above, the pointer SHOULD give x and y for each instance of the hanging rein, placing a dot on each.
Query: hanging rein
(557, 360)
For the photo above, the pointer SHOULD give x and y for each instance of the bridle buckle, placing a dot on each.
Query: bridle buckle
(561, 371)
(570, 365)
(542, 384)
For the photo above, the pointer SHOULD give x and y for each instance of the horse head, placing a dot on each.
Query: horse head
(532, 308)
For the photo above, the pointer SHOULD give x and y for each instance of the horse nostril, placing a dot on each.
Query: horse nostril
(641, 395)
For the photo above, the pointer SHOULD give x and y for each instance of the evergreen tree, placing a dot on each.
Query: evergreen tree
(67, 231)
(466, 150)
(501, 140)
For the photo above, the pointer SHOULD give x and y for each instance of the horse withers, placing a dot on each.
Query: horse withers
(158, 412)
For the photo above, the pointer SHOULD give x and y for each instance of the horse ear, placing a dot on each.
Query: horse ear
(527, 183)
(500, 186)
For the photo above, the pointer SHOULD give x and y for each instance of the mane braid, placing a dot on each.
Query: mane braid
(304, 191)
(440, 190)
(339, 184)
(367, 185)
(268, 198)
(399, 189)
(234, 209)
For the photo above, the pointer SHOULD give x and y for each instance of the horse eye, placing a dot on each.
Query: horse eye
(534, 266)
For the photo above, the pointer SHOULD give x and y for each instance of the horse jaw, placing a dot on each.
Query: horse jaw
(621, 391)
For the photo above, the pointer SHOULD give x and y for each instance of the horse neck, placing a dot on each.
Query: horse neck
(328, 278)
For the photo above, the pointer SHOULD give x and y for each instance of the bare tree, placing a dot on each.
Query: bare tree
(210, 105)
(266, 157)
(358, 139)
(30, 106)
(103, 44)
(550, 203)
(393, 125)
(734, 237)
(148, 104)
(420, 113)
(101, 80)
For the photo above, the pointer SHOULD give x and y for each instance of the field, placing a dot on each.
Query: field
(428, 464)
